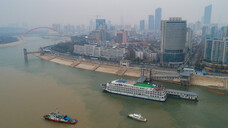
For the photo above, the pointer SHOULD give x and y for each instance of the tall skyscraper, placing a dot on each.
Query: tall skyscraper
(207, 14)
(173, 41)
(227, 31)
(151, 22)
(142, 25)
(100, 24)
(158, 19)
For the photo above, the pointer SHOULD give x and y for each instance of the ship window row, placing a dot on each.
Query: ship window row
(133, 91)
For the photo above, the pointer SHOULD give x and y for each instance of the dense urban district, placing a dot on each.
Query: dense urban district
(196, 51)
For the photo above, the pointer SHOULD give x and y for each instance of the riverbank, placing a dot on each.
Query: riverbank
(206, 81)
(20, 41)
(97, 66)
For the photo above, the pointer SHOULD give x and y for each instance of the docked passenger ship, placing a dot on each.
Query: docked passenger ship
(139, 90)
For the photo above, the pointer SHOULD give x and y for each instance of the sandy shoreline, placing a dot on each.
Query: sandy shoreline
(220, 83)
(20, 41)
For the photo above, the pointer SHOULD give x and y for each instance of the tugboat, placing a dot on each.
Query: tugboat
(137, 117)
(56, 117)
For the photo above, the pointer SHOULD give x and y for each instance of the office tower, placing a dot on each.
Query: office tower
(142, 25)
(151, 22)
(158, 19)
(100, 24)
(207, 14)
(173, 40)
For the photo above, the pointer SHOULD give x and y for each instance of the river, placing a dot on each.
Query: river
(30, 89)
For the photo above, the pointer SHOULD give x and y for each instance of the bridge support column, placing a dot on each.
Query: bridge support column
(25, 53)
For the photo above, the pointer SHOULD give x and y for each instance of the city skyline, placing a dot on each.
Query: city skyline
(80, 12)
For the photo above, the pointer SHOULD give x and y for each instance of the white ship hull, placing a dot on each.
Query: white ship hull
(128, 88)
(137, 96)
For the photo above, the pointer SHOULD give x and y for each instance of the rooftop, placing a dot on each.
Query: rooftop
(144, 85)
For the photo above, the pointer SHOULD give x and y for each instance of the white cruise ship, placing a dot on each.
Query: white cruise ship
(139, 90)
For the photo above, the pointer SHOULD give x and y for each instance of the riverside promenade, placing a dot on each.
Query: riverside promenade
(98, 66)
(116, 69)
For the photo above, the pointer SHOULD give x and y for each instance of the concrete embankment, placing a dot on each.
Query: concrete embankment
(97, 66)
(207, 81)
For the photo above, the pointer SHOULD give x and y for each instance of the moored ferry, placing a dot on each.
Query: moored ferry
(134, 89)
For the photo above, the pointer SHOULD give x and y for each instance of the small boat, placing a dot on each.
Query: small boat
(56, 117)
(137, 117)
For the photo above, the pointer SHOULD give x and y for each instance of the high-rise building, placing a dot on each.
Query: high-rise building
(91, 25)
(121, 37)
(216, 50)
(205, 32)
(173, 40)
(214, 32)
(56, 27)
(158, 18)
(100, 24)
(151, 22)
(207, 14)
(198, 26)
(124, 37)
(207, 49)
(225, 51)
(221, 32)
(227, 31)
(189, 40)
(142, 25)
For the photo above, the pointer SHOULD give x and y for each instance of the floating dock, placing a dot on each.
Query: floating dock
(182, 94)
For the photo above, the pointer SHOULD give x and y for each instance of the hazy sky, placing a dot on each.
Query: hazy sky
(46, 12)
